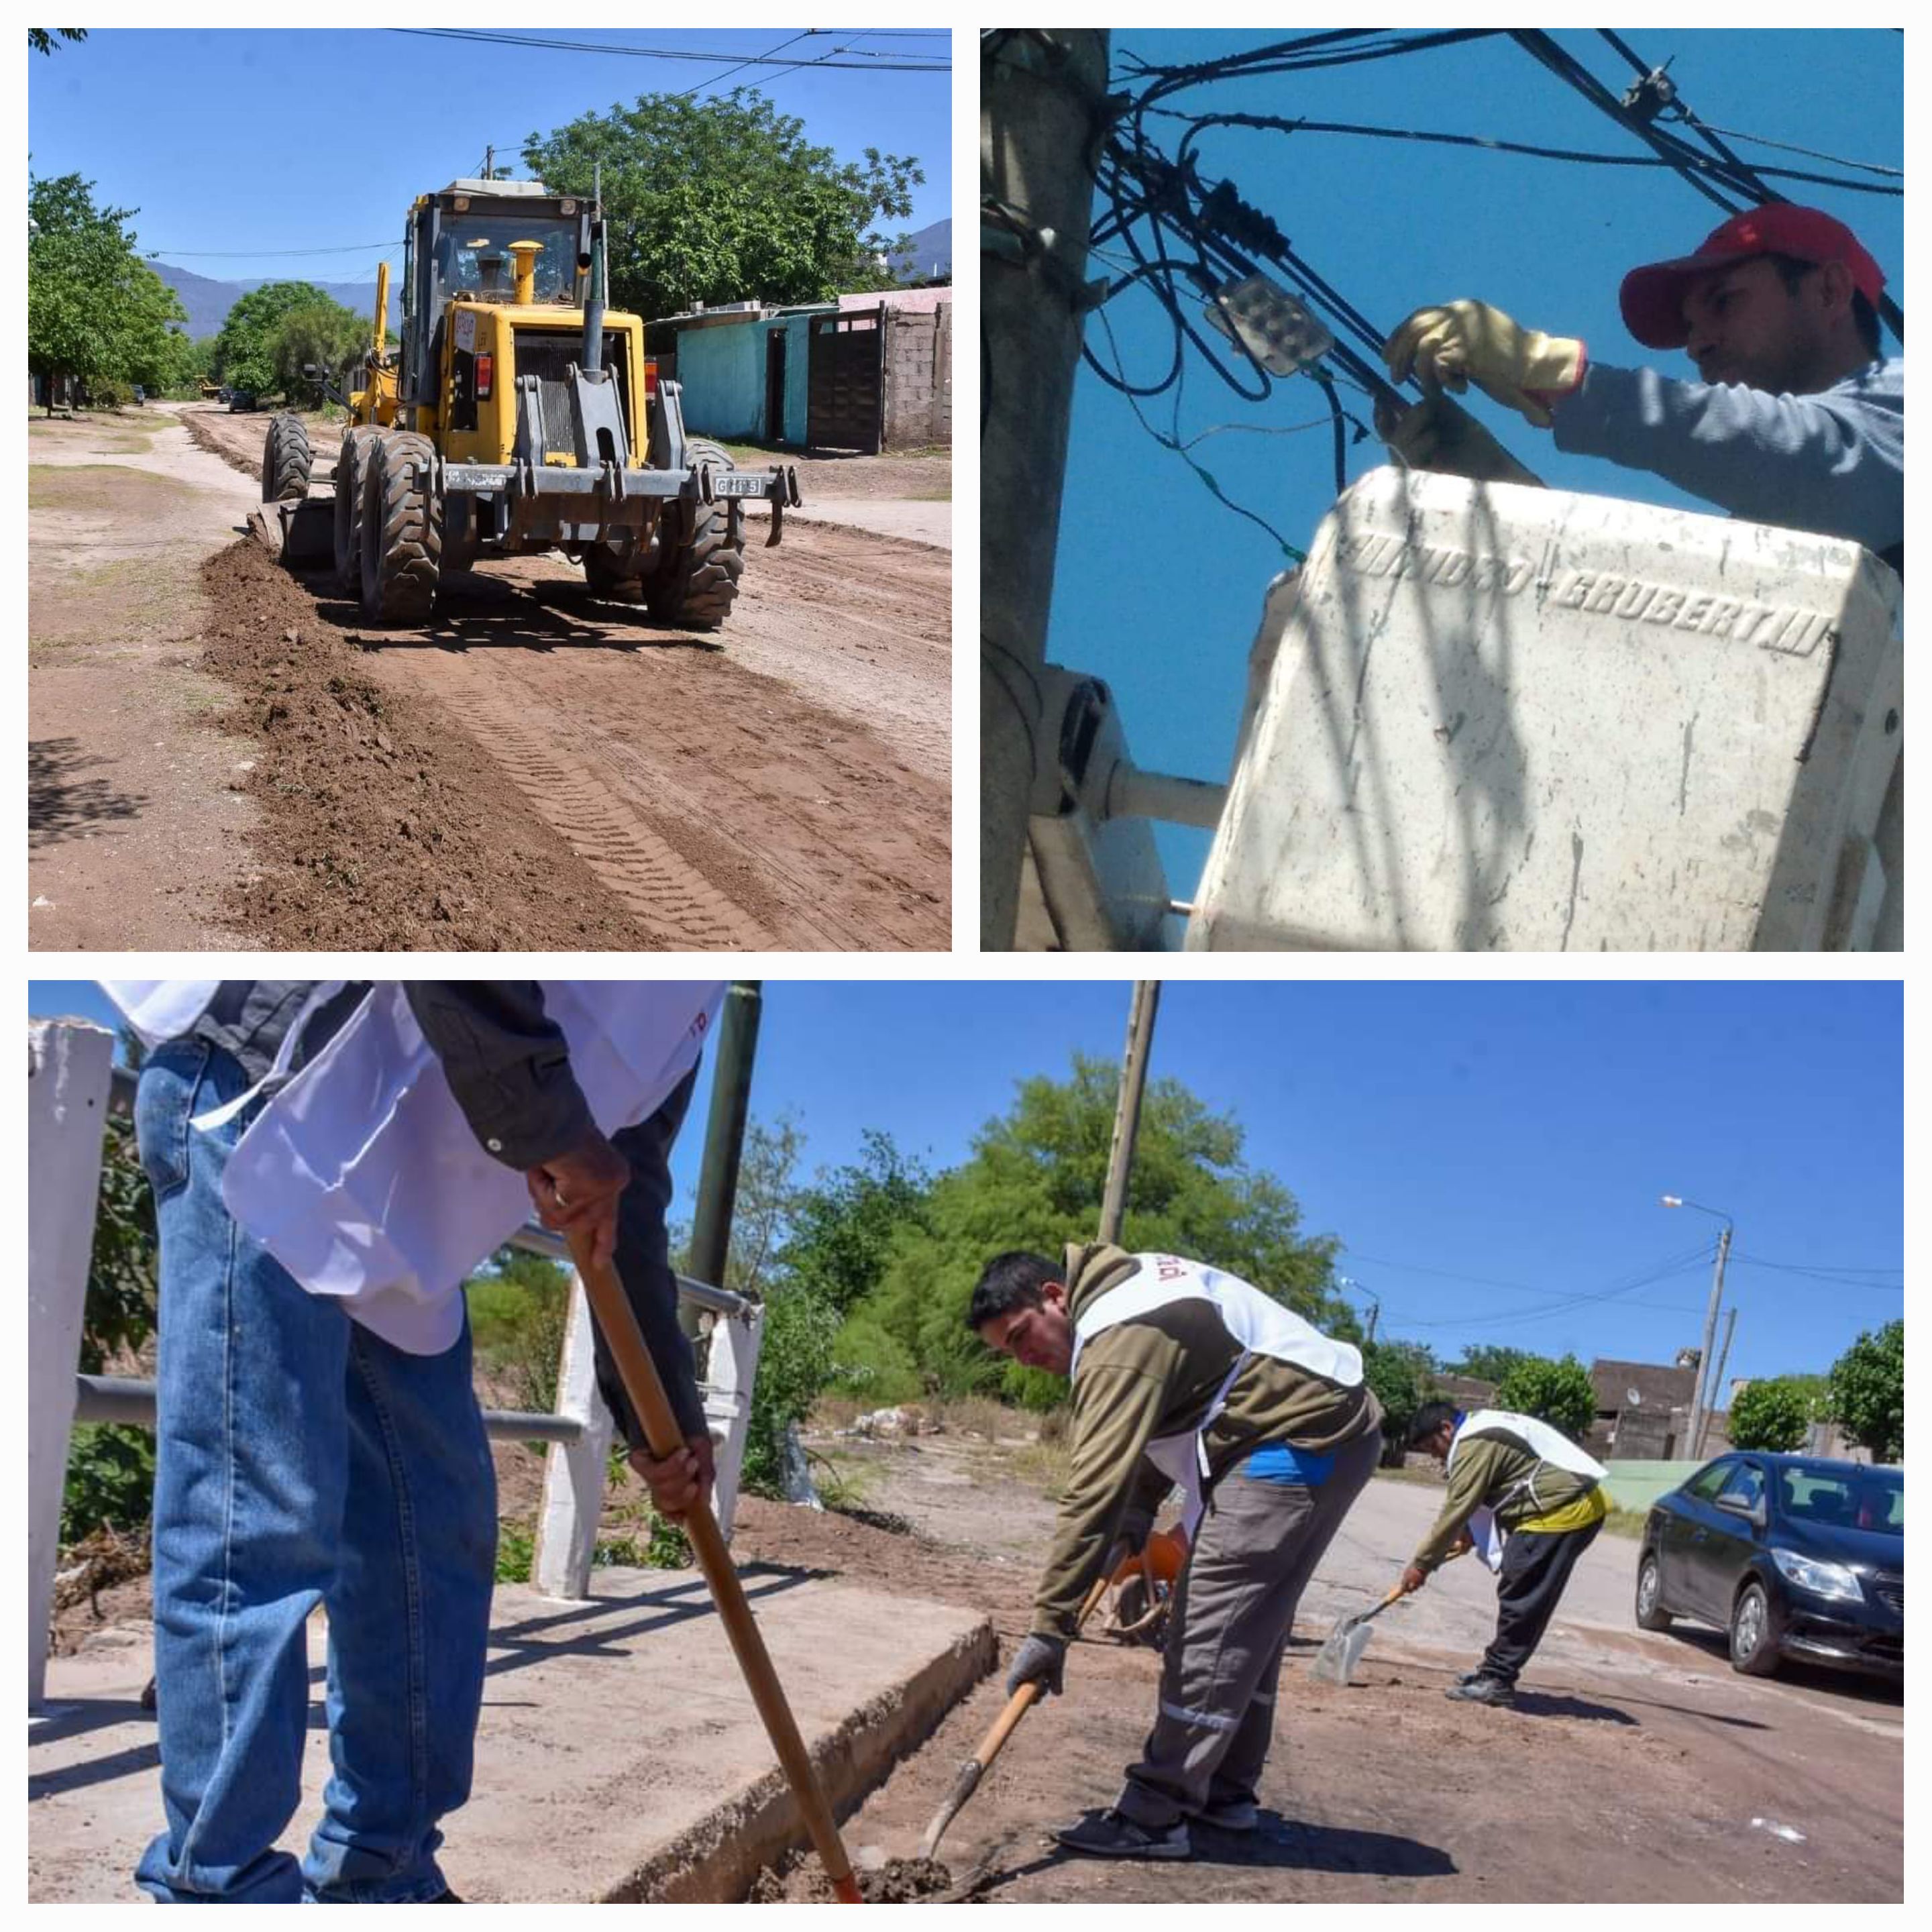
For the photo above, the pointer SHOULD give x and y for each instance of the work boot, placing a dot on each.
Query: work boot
(1111, 1835)
(1230, 1814)
(1469, 1676)
(1481, 1690)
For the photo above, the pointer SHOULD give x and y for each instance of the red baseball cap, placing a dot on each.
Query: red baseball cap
(1653, 298)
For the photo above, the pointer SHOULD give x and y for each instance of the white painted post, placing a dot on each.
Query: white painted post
(69, 1066)
(573, 1497)
(731, 1372)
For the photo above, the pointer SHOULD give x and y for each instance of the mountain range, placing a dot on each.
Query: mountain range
(928, 253)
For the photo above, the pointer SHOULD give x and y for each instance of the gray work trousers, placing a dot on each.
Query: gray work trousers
(1234, 1608)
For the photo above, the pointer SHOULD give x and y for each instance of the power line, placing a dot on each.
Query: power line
(252, 254)
(873, 65)
(742, 65)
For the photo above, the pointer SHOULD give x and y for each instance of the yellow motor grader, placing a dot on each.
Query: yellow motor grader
(518, 415)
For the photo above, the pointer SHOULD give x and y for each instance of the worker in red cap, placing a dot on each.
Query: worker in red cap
(1797, 418)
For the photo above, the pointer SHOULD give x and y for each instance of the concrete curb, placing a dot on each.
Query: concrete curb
(716, 1860)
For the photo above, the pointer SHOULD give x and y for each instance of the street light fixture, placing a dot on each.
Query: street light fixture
(1706, 1392)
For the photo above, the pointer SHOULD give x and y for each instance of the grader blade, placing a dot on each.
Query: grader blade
(302, 534)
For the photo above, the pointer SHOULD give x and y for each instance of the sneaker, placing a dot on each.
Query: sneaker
(1469, 1676)
(1231, 1814)
(1109, 1834)
(1481, 1690)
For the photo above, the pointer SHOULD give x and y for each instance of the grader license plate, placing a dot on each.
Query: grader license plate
(456, 476)
(736, 485)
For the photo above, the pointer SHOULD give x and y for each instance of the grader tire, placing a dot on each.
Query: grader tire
(615, 578)
(351, 485)
(695, 583)
(286, 461)
(402, 531)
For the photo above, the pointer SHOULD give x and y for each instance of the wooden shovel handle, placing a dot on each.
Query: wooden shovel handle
(1026, 1697)
(645, 1387)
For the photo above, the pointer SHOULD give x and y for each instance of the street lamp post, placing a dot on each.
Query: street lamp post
(1700, 1401)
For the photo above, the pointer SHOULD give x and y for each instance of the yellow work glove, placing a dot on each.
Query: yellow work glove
(1441, 436)
(1465, 342)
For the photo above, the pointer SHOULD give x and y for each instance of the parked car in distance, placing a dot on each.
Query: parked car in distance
(239, 399)
(1792, 1556)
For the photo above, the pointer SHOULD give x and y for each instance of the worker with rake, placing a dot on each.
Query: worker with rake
(1531, 1502)
(329, 1162)
(1797, 417)
(1184, 1375)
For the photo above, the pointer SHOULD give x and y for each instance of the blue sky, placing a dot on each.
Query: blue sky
(194, 126)
(1159, 588)
(1519, 1133)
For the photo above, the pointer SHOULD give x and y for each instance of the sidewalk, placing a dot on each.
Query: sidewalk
(620, 1757)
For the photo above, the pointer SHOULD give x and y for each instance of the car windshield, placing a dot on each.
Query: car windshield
(464, 240)
(1849, 1498)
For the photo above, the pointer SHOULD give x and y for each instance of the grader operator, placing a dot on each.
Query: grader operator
(518, 415)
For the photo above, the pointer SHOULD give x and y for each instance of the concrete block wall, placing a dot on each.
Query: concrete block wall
(919, 378)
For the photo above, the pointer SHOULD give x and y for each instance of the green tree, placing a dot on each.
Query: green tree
(325, 333)
(1868, 1392)
(1390, 1371)
(1559, 1393)
(244, 351)
(1769, 1414)
(42, 41)
(724, 199)
(1488, 1362)
(1035, 1180)
(842, 1225)
(96, 312)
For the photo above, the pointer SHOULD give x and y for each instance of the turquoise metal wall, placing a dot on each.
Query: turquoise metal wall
(722, 368)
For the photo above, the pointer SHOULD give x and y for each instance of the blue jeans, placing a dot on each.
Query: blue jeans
(300, 1462)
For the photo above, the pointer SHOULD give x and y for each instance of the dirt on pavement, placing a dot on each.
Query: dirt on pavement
(536, 767)
(1633, 1777)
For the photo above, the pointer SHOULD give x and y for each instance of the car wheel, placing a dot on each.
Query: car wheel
(1754, 1632)
(1651, 1614)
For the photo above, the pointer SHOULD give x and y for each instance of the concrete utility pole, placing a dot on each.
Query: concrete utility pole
(1700, 1404)
(1127, 1112)
(1717, 1380)
(725, 1135)
(1043, 91)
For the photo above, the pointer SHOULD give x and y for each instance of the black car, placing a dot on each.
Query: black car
(1794, 1556)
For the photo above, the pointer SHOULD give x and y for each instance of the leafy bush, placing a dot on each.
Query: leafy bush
(1391, 1374)
(872, 1365)
(110, 1479)
(1770, 1414)
(795, 1362)
(519, 1316)
(516, 1551)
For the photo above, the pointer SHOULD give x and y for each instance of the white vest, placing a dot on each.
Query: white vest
(1261, 1326)
(1548, 1445)
(361, 1176)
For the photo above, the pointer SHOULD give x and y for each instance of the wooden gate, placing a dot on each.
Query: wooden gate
(845, 392)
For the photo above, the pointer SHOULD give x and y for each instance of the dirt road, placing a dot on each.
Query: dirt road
(1631, 1770)
(537, 768)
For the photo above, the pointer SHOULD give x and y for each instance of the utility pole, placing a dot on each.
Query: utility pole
(1375, 1315)
(724, 1139)
(1127, 1111)
(1043, 95)
(1717, 1381)
(489, 164)
(1700, 1402)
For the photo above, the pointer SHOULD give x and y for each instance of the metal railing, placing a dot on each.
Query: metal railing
(73, 1088)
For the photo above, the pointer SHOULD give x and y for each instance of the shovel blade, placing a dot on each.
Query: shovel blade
(1336, 1661)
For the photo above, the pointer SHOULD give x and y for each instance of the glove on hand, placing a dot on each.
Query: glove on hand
(1440, 435)
(1041, 1660)
(1465, 342)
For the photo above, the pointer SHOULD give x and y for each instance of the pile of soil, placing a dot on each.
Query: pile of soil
(385, 828)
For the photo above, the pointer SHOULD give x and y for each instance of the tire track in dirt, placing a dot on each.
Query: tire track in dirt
(644, 872)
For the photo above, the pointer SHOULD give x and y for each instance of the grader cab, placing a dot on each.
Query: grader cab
(519, 414)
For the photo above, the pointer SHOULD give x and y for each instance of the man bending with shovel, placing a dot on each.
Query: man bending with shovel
(1184, 1374)
(1531, 1502)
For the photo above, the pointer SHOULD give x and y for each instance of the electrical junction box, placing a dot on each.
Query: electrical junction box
(1492, 717)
